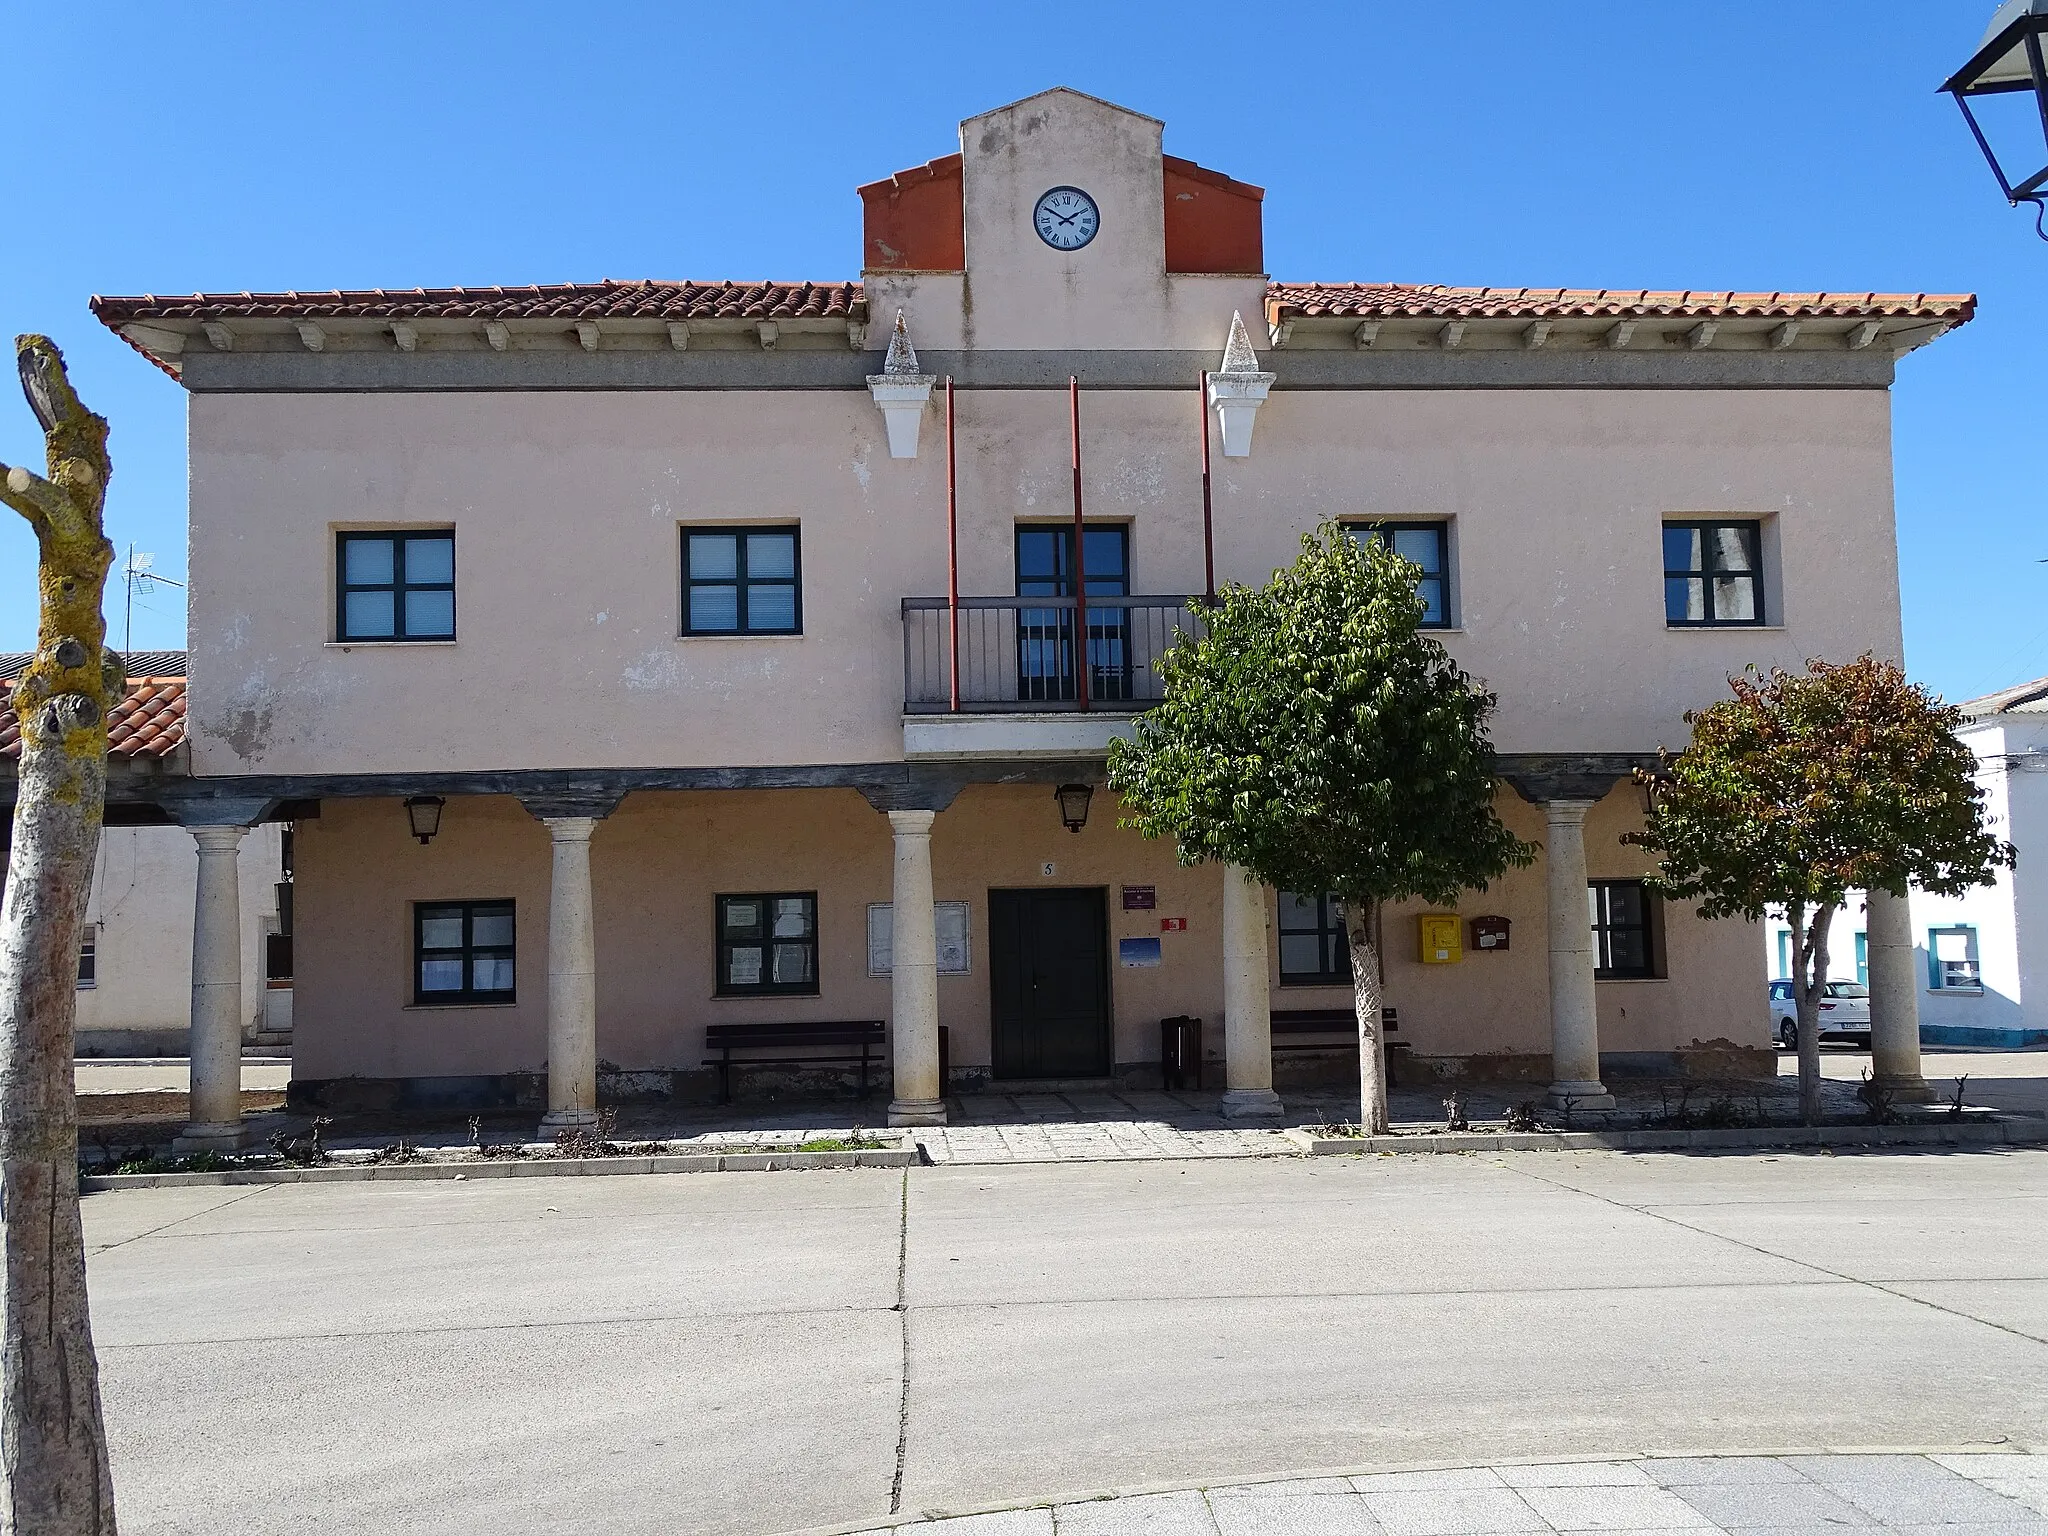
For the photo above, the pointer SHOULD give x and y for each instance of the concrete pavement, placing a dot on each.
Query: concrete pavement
(754, 1353)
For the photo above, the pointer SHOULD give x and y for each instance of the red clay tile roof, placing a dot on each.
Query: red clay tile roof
(148, 722)
(560, 301)
(1393, 301)
(784, 301)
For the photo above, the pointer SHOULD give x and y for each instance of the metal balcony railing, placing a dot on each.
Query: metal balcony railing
(1018, 653)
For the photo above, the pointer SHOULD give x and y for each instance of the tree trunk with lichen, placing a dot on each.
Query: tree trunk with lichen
(1365, 982)
(54, 1477)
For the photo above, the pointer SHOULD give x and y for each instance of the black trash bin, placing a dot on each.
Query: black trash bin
(1180, 1052)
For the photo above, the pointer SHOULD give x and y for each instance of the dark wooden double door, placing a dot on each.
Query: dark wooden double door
(1050, 974)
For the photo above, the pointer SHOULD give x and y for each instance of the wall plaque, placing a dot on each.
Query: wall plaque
(1140, 898)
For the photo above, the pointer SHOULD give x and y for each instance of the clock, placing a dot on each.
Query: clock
(1066, 218)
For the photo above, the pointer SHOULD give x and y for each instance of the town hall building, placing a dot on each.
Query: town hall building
(637, 658)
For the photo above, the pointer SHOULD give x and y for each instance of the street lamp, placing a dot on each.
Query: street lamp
(2008, 61)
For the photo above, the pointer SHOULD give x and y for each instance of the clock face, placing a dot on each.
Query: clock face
(1065, 218)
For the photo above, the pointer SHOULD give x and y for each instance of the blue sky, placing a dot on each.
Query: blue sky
(1795, 145)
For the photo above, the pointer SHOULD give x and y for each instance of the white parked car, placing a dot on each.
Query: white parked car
(1844, 1014)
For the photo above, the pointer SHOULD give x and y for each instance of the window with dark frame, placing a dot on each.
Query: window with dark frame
(768, 944)
(742, 581)
(1314, 948)
(89, 959)
(1623, 914)
(463, 952)
(1713, 573)
(1427, 545)
(395, 586)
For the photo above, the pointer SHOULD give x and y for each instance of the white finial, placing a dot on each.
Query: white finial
(901, 392)
(1238, 356)
(1237, 390)
(902, 358)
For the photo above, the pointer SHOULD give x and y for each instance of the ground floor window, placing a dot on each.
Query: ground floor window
(1623, 914)
(1952, 959)
(463, 952)
(768, 944)
(1314, 951)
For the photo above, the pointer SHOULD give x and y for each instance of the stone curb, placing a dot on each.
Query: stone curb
(1967, 1133)
(539, 1167)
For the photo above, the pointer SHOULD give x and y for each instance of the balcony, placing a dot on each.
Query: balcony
(1019, 692)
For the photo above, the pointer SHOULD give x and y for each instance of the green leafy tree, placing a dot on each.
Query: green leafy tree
(1806, 786)
(1314, 737)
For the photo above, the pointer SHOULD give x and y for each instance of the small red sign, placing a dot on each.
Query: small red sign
(1173, 925)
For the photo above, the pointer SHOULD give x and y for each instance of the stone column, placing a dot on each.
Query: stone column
(919, 1098)
(1574, 1014)
(1247, 1000)
(1894, 998)
(572, 979)
(217, 1017)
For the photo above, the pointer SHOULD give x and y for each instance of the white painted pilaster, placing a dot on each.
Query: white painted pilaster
(1574, 1013)
(1247, 1001)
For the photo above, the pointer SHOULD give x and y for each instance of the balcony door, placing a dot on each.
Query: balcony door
(1045, 636)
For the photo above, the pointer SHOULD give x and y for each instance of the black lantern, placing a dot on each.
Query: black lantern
(1073, 799)
(424, 812)
(2010, 60)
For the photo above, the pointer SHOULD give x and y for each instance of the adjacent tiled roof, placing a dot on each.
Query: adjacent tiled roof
(148, 722)
(559, 301)
(137, 663)
(2021, 699)
(1393, 301)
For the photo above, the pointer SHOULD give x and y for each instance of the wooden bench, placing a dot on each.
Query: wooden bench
(753, 1040)
(1296, 1022)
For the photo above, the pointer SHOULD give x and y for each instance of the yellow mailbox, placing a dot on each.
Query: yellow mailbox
(1441, 942)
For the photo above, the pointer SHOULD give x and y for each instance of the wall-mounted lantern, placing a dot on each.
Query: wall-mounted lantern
(1073, 799)
(424, 813)
(2013, 58)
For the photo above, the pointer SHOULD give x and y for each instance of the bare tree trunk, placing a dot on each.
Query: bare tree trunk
(1809, 986)
(54, 1477)
(1365, 981)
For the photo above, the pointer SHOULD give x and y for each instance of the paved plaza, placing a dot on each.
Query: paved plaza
(1733, 1495)
(748, 1354)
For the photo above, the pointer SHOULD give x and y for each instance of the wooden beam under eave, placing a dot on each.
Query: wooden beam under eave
(1784, 335)
(1452, 336)
(1620, 335)
(1536, 335)
(1701, 336)
(406, 335)
(1863, 335)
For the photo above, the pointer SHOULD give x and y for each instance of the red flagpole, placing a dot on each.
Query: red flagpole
(1080, 556)
(952, 559)
(1208, 524)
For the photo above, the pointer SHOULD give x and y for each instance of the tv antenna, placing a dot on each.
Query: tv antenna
(137, 573)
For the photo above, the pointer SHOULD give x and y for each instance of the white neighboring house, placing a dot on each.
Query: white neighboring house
(135, 974)
(1983, 956)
